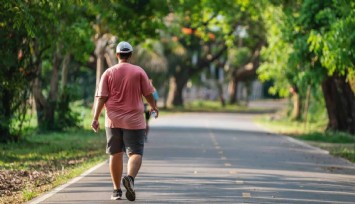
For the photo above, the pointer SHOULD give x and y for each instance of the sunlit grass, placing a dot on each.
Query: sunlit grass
(290, 127)
(65, 175)
(329, 137)
(337, 143)
(65, 154)
(51, 150)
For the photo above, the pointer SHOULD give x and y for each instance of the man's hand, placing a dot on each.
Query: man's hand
(156, 112)
(95, 125)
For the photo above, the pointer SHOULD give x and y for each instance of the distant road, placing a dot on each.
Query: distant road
(222, 158)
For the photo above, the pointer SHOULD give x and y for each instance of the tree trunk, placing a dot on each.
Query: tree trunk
(306, 105)
(39, 99)
(180, 85)
(46, 107)
(100, 51)
(171, 91)
(64, 99)
(233, 86)
(53, 93)
(177, 84)
(340, 104)
(245, 72)
(296, 102)
(110, 56)
(5, 116)
(296, 110)
(220, 93)
(165, 93)
(65, 70)
(40, 103)
(248, 87)
(99, 70)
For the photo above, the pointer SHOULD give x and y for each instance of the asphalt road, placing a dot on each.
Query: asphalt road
(221, 158)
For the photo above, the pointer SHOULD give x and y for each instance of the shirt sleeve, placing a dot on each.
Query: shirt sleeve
(146, 86)
(103, 86)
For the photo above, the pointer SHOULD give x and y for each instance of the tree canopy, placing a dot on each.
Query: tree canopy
(52, 50)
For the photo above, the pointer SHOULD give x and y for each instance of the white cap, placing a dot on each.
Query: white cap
(124, 47)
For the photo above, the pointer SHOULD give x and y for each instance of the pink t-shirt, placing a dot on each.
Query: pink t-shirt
(124, 84)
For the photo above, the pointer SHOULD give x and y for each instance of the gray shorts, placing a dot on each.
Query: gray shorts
(123, 140)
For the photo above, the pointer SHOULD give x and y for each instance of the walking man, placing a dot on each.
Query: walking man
(120, 91)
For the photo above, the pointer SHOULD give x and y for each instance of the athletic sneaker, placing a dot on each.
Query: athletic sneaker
(129, 185)
(117, 194)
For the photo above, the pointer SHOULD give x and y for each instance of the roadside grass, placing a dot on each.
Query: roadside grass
(337, 143)
(42, 161)
(54, 150)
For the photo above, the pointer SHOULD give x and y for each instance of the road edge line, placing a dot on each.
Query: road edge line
(61, 187)
(302, 143)
(293, 140)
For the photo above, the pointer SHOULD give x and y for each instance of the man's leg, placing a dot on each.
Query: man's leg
(115, 148)
(134, 164)
(116, 168)
(134, 143)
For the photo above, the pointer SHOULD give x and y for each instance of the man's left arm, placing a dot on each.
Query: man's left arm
(151, 101)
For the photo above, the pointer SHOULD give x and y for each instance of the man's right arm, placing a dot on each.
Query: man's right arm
(97, 111)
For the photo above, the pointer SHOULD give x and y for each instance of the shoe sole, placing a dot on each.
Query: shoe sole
(130, 194)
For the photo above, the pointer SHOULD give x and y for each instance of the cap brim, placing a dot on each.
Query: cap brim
(124, 51)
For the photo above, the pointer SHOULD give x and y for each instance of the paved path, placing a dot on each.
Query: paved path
(222, 158)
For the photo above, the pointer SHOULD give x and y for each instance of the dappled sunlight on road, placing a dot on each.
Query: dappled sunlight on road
(194, 183)
(223, 158)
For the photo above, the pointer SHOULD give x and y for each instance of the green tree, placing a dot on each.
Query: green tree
(15, 73)
(238, 58)
(316, 43)
(275, 59)
(332, 43)
(59, 35)
(201, 32)
(244, 55)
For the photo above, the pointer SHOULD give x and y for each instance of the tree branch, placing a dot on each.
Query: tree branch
(249, 69)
